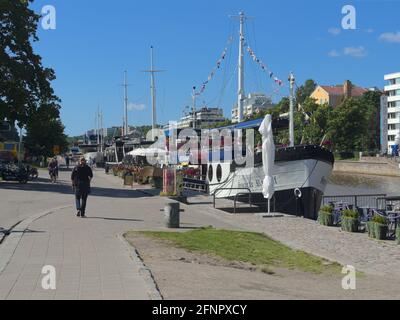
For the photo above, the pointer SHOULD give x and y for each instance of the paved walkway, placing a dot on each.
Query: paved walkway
(89, 255)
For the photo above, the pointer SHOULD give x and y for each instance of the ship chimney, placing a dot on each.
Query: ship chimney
(347, 89)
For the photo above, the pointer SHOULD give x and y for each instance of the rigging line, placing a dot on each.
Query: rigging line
(256, 79)
(227, 79)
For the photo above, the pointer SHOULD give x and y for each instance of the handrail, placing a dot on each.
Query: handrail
(219, 189)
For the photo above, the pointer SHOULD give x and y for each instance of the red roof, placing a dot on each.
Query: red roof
(338, 90)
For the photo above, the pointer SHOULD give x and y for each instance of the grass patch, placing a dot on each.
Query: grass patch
(249, 247)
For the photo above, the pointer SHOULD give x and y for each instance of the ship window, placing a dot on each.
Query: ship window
(210, 173)
(219, 173)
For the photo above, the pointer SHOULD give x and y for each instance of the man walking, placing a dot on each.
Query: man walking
(67, 161)
(81, 177)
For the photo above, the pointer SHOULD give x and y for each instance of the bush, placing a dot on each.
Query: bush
(371, 229)
(380, 219)
(325, 218)
(398, 235)
(327, 208)
(350, 221)
(350, 214)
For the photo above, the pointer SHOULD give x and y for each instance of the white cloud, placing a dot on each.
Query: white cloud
(393, 37)
(355, 52)
(334, 31)
(138, 107)
(333, 54)
(370, 30)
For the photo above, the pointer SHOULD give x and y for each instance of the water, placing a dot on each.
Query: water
(352, 184)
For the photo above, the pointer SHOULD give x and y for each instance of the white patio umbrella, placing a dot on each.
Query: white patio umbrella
(268, 157)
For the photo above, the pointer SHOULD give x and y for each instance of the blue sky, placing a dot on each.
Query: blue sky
(95, 41)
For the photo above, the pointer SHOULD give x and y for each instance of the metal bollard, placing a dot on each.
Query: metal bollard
(172, 214)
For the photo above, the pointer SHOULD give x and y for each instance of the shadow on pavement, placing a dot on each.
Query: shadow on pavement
(115, 219)
(43, 185)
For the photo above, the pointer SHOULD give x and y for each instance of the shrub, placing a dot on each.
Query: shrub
(327, 208)
(380, 219)
(398, 235)
(325, 218)
(350, 214)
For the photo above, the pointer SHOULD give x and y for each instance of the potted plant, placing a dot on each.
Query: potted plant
(370, 226)
(325, 216)
(380, 227)
(350, 221)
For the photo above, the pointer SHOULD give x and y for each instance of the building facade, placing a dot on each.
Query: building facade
(334, 95)
(253, 104)
(392, 100)
(205, 117)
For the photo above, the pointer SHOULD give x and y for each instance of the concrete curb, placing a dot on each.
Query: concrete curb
(11, 239)
(153, 291)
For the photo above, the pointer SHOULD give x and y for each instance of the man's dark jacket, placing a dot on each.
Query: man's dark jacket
(80, 178)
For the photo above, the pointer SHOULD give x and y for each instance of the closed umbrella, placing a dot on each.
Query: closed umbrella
(268, 157)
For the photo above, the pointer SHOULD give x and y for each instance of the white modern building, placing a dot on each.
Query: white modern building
(205, 117)
(254, 103)
(392, 91)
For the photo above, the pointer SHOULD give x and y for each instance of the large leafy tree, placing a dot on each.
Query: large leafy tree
(371, 101)
(43, 132)
(348, 125)
(305, 90)
(24, 82)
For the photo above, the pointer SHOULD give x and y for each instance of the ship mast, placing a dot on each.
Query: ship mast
(152, 72)
(291, 110)
(241, 95)
(126, 126)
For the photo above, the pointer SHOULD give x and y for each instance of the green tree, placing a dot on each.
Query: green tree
(348, 125)
(43, 132)
(305, 90)
(317, 121)
(371, 100)
(24, 82)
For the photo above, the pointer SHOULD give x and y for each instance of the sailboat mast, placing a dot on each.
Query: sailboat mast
(291, 110)
(153, 90)
(126, 127)
(241, 94)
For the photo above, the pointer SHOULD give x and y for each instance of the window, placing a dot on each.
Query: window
(391, 138)
(392, 126)
(392, 115)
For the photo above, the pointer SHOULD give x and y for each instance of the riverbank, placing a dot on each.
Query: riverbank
(369, 165)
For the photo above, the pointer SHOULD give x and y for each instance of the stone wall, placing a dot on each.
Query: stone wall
(382, 167)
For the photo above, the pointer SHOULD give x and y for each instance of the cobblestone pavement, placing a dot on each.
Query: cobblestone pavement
(357, 249)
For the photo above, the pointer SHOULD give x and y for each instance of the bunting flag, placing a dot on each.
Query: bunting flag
(264, 67)
(218, 66)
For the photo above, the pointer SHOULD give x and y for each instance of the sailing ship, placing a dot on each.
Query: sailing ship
(301, 172)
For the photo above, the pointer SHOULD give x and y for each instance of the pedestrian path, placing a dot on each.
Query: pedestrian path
(89, 256)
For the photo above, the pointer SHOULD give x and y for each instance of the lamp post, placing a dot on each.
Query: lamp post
(20, 147)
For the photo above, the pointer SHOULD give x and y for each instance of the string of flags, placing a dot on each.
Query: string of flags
(218, 66)
(264, 67)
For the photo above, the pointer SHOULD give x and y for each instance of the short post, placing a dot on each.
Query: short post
(172, 214)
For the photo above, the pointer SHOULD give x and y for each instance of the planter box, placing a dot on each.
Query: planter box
(349, 224)
(325, 218)
(381, 231)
